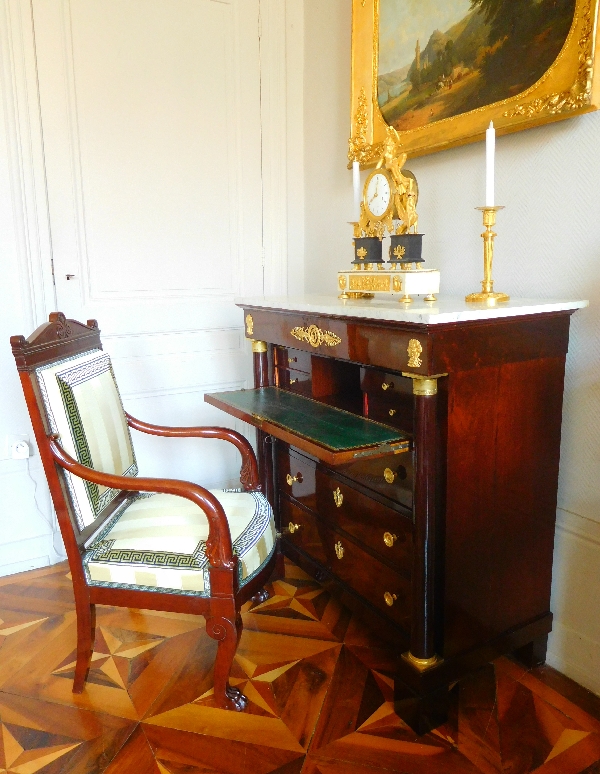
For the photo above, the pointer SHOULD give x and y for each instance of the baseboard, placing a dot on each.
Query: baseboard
(574, 645)
(26, 555)
(576, 656)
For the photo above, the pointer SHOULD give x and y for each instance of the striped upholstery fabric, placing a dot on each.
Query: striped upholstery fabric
(84, 407)
(158, 542)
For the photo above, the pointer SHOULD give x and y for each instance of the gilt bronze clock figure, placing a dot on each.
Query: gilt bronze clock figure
(389, 206)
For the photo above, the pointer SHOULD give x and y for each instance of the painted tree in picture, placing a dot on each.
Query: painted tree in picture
(441, 58)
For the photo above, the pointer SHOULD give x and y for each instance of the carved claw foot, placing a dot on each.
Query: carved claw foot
(237, 700)
(261, 597)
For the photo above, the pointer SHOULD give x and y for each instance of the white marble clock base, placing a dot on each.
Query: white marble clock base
(408, 283)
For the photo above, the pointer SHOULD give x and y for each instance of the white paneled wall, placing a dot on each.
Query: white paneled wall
(548, 245)
(138, 142)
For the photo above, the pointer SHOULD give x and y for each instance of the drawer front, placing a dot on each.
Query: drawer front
(286, 357)
(296, 475)
(294, 381)
(304, 530)
(385, 384)
(390, 476)
(382, 529)
(385, 589)
(395, 410)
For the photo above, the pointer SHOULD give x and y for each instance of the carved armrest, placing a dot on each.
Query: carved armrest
(218, 545)
(249, 472)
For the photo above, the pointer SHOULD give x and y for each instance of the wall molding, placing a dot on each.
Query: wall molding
(274, 144)
(161, 392)
(18, 78)
(578, 526)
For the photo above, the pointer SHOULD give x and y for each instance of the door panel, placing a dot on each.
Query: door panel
(151, 119)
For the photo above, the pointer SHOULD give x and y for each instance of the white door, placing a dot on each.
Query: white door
(151, 129)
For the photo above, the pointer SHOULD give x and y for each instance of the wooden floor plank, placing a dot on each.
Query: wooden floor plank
(135, 757)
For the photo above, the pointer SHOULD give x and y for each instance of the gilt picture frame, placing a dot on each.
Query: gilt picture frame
(439, 71)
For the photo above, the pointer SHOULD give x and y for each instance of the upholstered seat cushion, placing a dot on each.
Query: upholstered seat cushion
(158, 542)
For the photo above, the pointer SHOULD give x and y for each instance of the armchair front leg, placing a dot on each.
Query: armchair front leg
(249, 472)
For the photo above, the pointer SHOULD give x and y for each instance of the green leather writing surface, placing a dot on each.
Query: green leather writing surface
(330, 427)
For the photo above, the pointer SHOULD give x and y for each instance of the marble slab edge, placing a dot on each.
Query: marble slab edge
(443, 311)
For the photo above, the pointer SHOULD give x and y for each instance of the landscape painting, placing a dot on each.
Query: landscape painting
(442, 58)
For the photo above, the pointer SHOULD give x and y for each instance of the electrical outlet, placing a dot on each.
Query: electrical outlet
(19, 450)
(16, 447)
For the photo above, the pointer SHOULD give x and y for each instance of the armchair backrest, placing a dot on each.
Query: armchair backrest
(71, 391)
(82, 404)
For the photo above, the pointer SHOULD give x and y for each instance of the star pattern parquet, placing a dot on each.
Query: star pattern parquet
(319, 687)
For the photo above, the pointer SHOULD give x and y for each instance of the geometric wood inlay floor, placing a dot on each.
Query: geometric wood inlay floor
(319, 689)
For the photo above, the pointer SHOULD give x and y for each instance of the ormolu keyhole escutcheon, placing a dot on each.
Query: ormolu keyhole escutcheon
(338, 498)
(339, 550)
(389, 475)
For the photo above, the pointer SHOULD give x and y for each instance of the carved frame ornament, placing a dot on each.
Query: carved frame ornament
(571, 86)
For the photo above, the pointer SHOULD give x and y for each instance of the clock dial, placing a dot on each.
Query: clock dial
(378, 195)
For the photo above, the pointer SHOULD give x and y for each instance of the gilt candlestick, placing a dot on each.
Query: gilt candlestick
(487, 286)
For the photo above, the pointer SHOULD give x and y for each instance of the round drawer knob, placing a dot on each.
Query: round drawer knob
(293, 527)
(389, 539)
(339, 550)
(387, 385)
(389, 598)
(292, 479)
(389, 475)
(392, 412)
(338, 498)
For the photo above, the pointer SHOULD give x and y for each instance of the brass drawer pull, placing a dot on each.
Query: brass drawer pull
(389, 475)
(338, 498)
(292, 479)
(392, 412)
(339, 550)
(389, 539)
(293, 527)
(387, 386)
(293, 381)
(389, 598)
(293, 359)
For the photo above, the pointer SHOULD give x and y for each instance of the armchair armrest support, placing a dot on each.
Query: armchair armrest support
(218, 545)
(249, 472)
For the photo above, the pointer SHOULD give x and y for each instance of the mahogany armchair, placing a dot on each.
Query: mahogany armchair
(137, 542)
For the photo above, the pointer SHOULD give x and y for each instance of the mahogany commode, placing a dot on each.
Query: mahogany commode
(445, 546)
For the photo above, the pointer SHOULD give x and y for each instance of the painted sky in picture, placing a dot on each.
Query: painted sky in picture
(403, 22)
(441, 58)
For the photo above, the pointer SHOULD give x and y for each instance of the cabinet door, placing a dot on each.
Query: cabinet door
(151, 119)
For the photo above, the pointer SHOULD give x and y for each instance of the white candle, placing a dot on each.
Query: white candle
(356, 185)
(490, 151)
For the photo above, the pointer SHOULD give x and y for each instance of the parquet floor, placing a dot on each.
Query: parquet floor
(320, 697)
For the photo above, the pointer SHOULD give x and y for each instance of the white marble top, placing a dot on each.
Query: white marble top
(444, 310)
